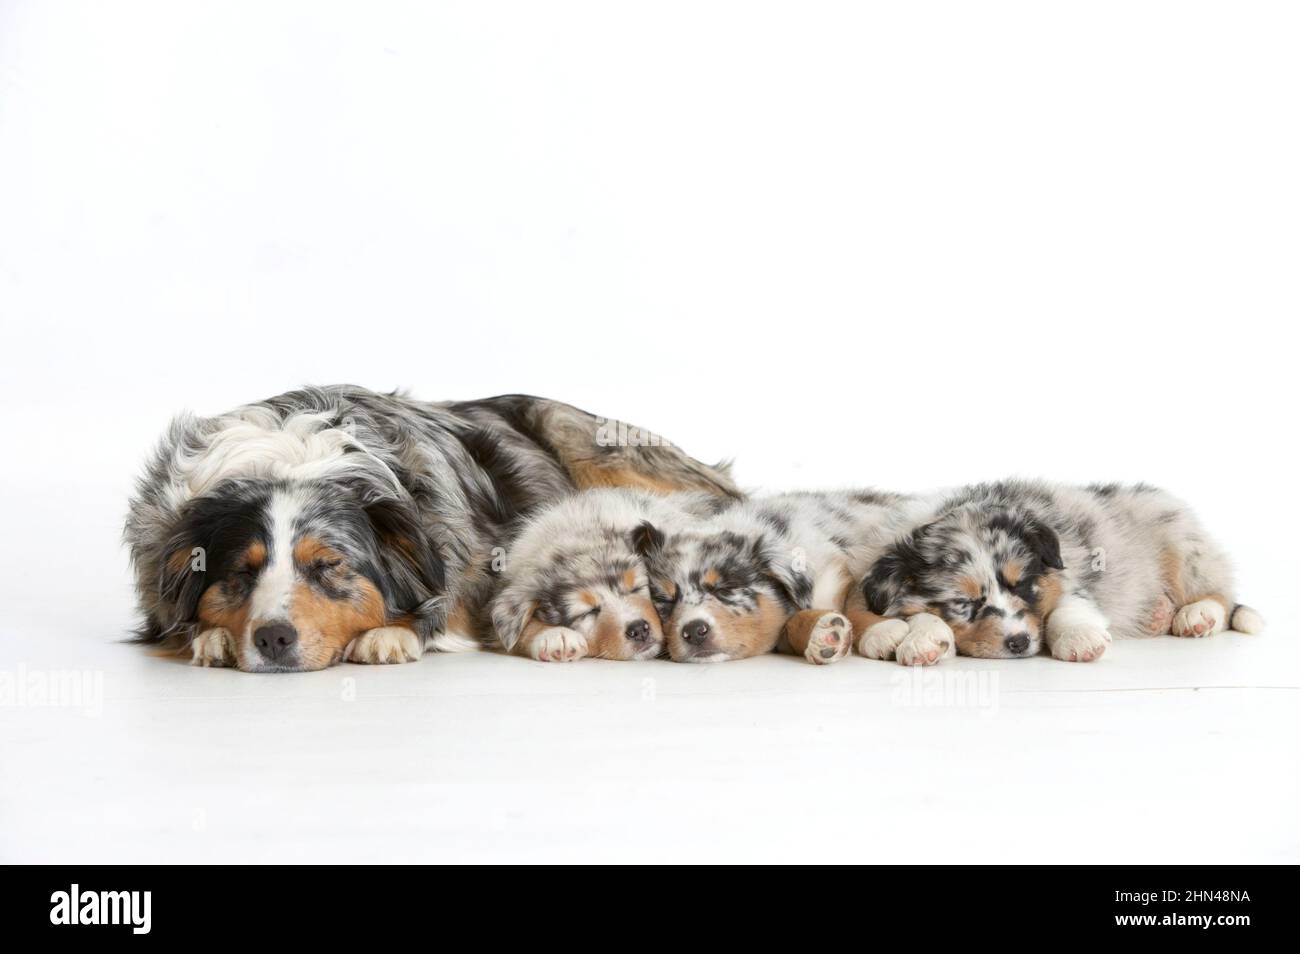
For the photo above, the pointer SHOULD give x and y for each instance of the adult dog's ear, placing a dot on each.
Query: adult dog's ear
(182, 580)
(510, 617)
(1044, 542)
(787, 571)
(894, 574)
(414, 577)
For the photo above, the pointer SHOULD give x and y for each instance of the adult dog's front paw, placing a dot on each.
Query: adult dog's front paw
(830, 639)
(558, 644)
(928, 640)
(387, 644)
(213, 647)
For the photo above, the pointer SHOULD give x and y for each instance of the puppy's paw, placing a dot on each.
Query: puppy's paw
(213, 647)
(881, 639)
(1079, 642)
(558, 644)
(928, 640)
(830, 639)
(387, 644)
(1202, 618)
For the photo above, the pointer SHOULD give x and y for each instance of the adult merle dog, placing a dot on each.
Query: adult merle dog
(337, 523)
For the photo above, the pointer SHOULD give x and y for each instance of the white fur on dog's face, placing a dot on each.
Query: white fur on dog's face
(289, 573)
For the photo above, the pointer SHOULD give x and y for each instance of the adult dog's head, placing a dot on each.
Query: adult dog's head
(290, 557)
(990, 572)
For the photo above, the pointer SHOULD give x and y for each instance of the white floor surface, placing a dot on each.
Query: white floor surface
(1166, 750)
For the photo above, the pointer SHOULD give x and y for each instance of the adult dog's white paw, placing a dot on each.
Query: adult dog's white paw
(213, 647)
(830, 639)
(558, 644)
(1202, 618)
(881, 639)
(387, 644)
(928, 640)
(1078, 642)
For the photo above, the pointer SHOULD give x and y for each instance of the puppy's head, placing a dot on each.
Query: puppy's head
(991, 574)
(295, 570)
(601, 590)
(724, 595)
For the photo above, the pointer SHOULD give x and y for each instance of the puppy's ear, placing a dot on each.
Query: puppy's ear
(1044, 542)
(788, 573)
(414, 577)
(647, 539)
(894, 574)
(510, 617)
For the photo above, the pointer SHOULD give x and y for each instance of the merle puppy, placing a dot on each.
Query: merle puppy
(1014, 565)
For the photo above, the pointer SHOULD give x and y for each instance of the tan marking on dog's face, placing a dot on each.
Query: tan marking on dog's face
(602, 614)
(986, 637)
(254, 556)
(1050, 589)
(629, 579)
(310, 550)
(326, 625)
(970, 586)
(1012, 571)
(608, 639)
(737, 634)
(711, 577)
(218, 609)
(667, 587)
(224, 604)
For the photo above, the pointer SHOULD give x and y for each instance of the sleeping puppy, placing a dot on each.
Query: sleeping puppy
(575, 582)
(773, 574)
(1014, 565)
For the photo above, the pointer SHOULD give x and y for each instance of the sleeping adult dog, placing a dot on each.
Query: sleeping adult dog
(338, 523)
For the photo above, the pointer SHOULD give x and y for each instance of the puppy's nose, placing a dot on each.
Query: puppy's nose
(696, 632)
(275, 639)
(1018, 643)
(639, 631)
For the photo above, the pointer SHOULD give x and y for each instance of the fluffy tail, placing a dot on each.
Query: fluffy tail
(1245, 620)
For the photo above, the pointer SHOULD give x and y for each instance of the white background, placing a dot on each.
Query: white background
(897, 244)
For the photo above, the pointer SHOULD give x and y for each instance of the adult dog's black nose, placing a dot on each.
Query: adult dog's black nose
(275, 639)
(1018, 643)
(639, 631)
(696, 632)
